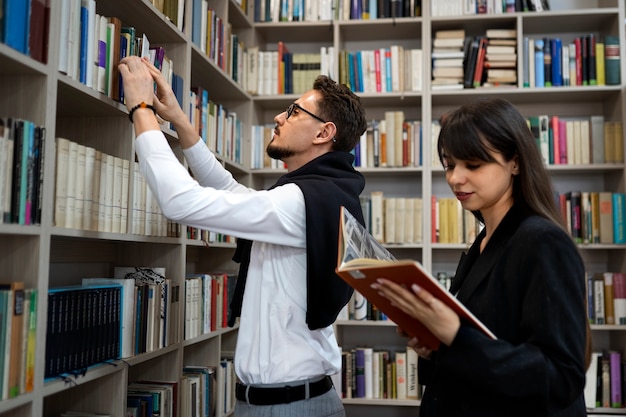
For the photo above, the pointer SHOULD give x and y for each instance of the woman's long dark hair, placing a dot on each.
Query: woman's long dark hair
(494, 124)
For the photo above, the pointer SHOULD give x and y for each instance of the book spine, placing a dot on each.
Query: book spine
(615, 360)
(619, 228)
(612, 60)
(547, 62)
(539, 64)
(557, 67)
(591, 59)
(360, 372)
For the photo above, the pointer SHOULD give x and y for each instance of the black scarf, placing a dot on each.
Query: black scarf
(327, 182)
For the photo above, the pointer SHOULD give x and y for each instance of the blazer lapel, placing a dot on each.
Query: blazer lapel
(472, 274)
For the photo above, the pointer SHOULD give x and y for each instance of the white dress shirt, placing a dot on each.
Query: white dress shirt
(274, 343)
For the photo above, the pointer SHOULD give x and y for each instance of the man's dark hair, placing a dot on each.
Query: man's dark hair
(341, 106)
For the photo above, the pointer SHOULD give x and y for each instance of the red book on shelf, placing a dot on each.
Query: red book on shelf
(556, 143)
(480, 62)
(579, 61)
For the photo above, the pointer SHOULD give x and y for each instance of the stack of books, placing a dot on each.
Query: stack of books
(501, 57)
(447, 56)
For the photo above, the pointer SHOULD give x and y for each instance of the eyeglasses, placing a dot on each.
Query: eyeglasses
(294, 106)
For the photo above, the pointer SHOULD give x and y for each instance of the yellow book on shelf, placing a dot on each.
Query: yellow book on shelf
(361, 260)
(600, 69)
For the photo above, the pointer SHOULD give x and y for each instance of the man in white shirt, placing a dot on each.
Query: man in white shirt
(287, 235)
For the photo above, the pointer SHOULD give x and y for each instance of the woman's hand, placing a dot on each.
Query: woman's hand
(415, 344)
(418, 303)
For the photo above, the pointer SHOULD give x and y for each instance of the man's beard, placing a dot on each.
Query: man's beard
(276, 152)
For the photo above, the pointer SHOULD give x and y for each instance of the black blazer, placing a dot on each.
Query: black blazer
(528, 287)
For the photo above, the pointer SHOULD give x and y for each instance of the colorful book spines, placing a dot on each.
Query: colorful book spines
(586, 61)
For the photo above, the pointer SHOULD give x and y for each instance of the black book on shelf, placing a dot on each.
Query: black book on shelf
(469, 61)
(384, 8)
(547, 62)
(591, 59)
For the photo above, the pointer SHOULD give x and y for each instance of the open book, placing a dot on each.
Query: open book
(362, 259)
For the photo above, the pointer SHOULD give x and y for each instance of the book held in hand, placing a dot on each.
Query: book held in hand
(362, 260)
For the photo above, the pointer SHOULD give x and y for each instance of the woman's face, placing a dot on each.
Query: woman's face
(483, 186)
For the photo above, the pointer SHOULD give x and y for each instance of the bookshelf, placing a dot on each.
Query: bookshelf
(44, 256)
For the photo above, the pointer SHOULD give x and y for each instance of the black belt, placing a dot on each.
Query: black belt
(282, 395)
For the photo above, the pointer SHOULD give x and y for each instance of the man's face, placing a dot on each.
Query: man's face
(296, 128)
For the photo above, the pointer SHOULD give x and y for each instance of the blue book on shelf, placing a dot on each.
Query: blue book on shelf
(619, 218)
(373, 9)
(205, 115)
(196, 23)
(557, 65)
(539, 64)
(16, 24)
(84, 32)
(360, 79)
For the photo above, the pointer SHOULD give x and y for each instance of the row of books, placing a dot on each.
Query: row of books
(594, 216)
(383, 70)
(219, 128)
(577, 140)
(281, 71)
(24, 26)
(194, 233)
(84, 327)
(91, 190)
(109, 318)
(451, 223)
(606, 298)
(146, 217)
(174, 10)
(92, 193)
(21, 170)
(591, 217)
(207, 297)
(93, 45)
(377, 374)
(564, 140)
(473, 7)
(18, 327)
(316, 10)
(393, 141)
(393, 220)
(208, 390)
(201, 391)
(604, 382)
(586, 60)
(214, 37)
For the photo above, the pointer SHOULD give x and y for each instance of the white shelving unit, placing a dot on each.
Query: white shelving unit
(44, 256)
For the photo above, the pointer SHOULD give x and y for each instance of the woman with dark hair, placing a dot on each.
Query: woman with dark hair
(523, 277)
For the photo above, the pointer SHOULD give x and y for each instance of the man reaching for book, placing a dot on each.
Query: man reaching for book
(287, 235)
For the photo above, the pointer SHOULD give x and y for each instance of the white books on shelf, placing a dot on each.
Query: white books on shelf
(60, 197)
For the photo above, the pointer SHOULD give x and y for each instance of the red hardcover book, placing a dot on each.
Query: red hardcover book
(480, 62)
(38, 29)
(579, 62)
(361, 260)
(556, 143)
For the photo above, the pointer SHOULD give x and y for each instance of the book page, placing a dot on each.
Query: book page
(357, 244)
